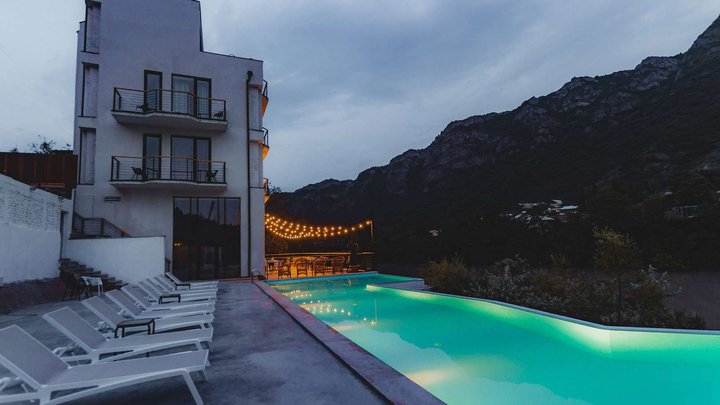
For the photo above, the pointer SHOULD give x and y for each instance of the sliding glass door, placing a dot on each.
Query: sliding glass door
(206, 238)
(191, 158)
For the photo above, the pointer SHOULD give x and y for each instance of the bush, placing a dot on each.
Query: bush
(447, 276)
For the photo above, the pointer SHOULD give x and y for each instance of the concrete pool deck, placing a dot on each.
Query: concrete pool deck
(259, 355)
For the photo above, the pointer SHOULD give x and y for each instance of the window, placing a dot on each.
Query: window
(91, 40)
(88, 106)
(153, 91)
(152, 150)
(206, 238)
(191, 95)
(190, 158)
(87, 156)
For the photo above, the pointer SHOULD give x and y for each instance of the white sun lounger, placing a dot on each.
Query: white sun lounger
(184, 286)
(174, 279)
(147, 301)
(156, 292)
(96, 345)
(167, 285)
(124, 302)
(114, 320)
(44, 374)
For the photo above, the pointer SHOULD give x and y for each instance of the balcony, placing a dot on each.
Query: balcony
(167, 172)
(266, 187)
(266, 143)
(168, 108)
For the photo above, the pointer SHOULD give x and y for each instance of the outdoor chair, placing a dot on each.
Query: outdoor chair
(337, 264)
(148, 303)
(174, 279)
(319, 265)
(92, 284)
(210, 176)
(128, 305)
(138, 174)
(44, 374)
(184, 294)
(184, 286)
(301, 266)
(74, 286)
(117, 322)
(95, 345)
(284, 268)
(157, 292)
(270, 266)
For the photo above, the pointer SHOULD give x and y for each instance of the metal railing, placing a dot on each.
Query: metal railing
(266, 137)
(96, 228)
(170, 102)
(149, 168)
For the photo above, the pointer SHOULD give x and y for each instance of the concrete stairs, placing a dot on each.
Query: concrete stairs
(70, 266)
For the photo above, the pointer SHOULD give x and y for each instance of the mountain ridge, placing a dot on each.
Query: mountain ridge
(633, 129)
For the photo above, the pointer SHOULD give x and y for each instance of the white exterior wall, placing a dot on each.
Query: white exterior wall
(30, 239)
(165, 36)
(128, 259)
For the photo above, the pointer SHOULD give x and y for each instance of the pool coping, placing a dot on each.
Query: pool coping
(389, 383)
(558, 316)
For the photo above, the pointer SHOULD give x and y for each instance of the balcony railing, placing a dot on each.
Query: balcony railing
(95, 228)
(168, 102)
(166, 168)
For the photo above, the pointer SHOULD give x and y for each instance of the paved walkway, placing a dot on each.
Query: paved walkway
(259, 355)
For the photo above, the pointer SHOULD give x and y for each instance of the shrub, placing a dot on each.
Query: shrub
(447, 276)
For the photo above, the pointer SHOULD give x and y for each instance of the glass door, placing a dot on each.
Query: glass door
(152, 150)
(183, 95)
(206, 238)
(153, 91)
(202, 91)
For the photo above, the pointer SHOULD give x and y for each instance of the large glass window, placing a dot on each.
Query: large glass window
(191, 95)
(206, 238)
(191, 158)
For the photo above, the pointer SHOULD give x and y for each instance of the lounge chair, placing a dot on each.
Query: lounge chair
(149, 303)
(157, 292)
(174, 279)
(183, 287)
(117, 322)
(44, 374)
(127, 304)
(96, 345)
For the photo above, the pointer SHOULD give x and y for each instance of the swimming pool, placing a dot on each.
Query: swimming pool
(467, 351)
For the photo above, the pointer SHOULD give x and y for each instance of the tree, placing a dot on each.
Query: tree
(694, 189)
(617, 255)
(45, 146)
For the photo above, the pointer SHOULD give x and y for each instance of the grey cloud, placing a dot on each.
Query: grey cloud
(354, 83)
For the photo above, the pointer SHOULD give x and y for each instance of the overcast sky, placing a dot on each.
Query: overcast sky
(354, 83)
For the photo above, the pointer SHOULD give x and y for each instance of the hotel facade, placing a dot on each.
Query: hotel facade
(169, 138)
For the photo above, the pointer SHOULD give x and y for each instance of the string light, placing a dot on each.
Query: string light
(290, 230)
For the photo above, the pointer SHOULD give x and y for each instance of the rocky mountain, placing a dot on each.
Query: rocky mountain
(633, 130)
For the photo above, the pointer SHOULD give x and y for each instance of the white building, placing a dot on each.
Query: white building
(169, 137)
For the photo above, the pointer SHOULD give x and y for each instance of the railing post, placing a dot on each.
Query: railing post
(102, 227)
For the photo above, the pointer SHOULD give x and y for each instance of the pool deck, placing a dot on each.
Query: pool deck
(259, 355)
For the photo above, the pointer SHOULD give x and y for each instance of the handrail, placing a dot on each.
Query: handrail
(178, 102)
(173, 168)
(97, 227)
(168, 157)
(172, 91)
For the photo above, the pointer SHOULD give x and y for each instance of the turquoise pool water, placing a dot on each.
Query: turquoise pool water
(478, 352)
